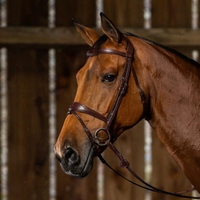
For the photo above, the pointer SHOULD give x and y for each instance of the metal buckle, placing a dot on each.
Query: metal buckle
(96, 139)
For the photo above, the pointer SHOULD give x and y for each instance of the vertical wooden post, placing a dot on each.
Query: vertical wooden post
(28, 108)
(166, 174)
(128, 13)
(198, 14)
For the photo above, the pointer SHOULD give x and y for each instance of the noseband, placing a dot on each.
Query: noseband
(95, 141)
(78, 107)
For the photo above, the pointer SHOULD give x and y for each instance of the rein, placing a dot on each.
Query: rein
(96, 144)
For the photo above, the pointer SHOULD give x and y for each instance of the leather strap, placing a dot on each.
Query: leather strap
(142, 96)
(123, 85)
(85, 128)
(125, 164)
(95, 52)
(75, 106)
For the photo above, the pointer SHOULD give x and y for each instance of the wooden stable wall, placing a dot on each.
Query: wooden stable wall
(28, 95)
(28, 104)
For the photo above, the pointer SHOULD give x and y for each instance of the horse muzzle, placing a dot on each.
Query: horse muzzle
(75, 164)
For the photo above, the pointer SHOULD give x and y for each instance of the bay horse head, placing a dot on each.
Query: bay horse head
(125, 79)
(98, 82)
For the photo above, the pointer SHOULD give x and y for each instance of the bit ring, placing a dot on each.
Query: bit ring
(96, 139)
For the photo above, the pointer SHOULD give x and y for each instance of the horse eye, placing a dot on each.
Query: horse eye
(108, 78)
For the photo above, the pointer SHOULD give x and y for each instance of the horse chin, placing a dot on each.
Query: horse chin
(83, 169)
(81, 174)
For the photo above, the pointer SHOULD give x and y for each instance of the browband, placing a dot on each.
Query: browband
(95, 52)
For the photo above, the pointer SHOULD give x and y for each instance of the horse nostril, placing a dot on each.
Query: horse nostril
(71, 156)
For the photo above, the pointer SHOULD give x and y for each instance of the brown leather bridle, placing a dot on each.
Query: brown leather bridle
(78, 107)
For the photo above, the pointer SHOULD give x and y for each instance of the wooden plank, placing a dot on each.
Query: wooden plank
(198, 13)
(128, 13)
(0, 120)
(1, 6)
(28, 125)
(27, 13)
(68, 61)
(40, 37)
(28, 156)
(166, 174)
(128, 143)
(83, 11)
(2, 77)
(171, 13)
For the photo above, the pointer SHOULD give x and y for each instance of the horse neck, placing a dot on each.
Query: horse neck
(174, 93)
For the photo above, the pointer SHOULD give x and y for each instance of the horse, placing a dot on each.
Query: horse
(161, 86)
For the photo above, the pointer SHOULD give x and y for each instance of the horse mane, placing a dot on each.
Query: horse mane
(103, 38)
(193, 62)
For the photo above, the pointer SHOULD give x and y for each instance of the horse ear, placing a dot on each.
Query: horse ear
(109, 29)
(89, 35)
